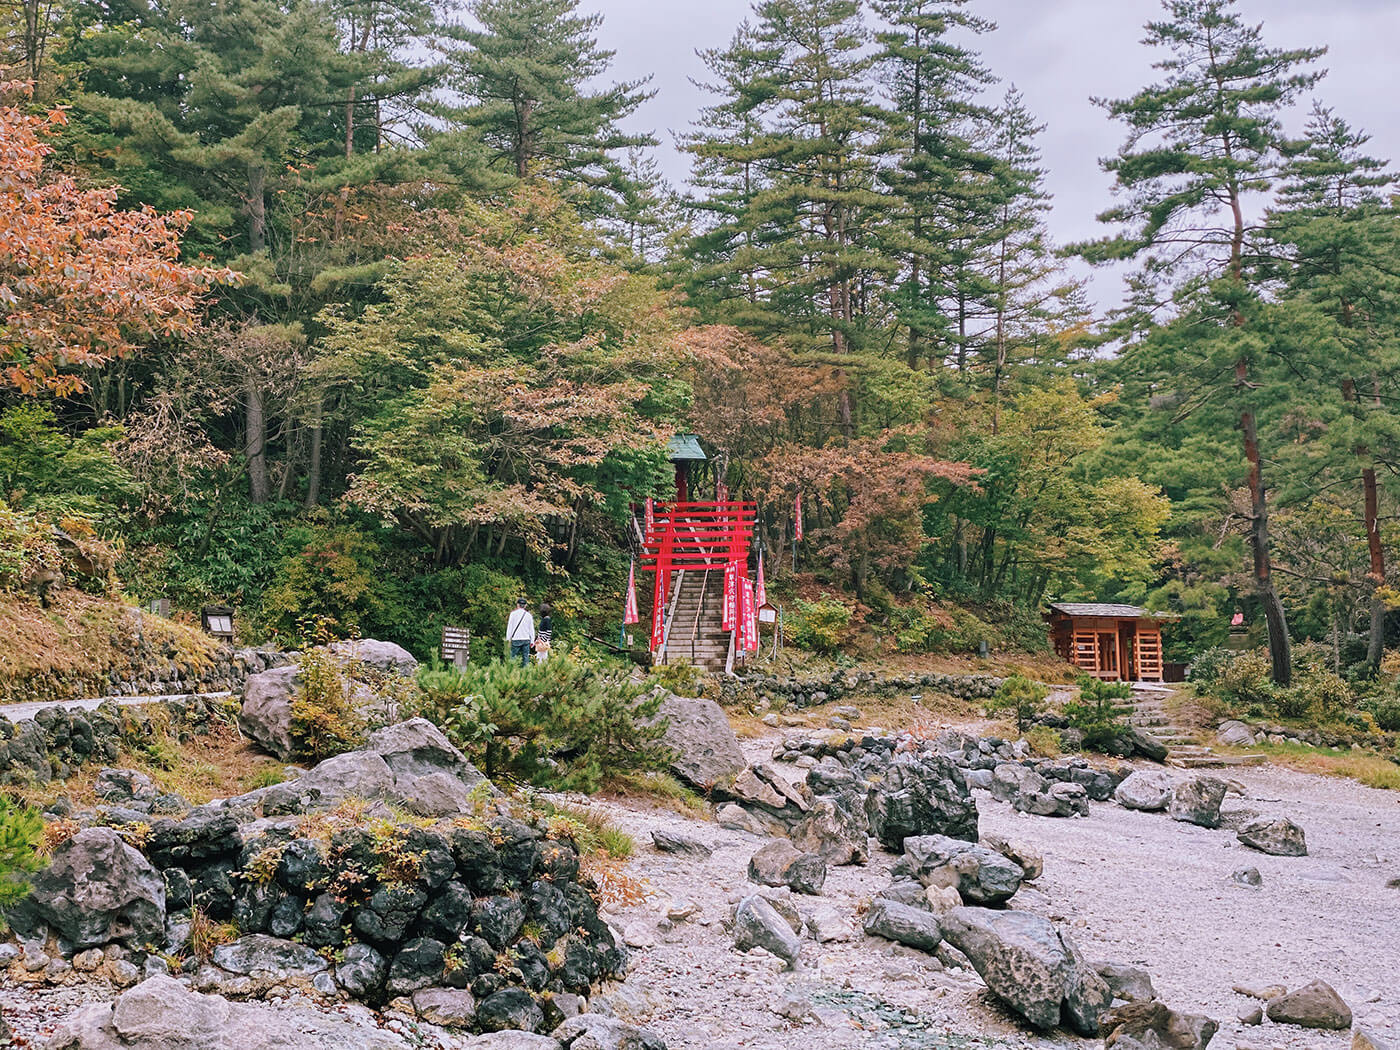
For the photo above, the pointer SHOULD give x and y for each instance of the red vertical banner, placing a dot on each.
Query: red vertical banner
(748, 621)
(650, 517)
(797, 516)
(760, 590)
(629, 602)
(658, 610)
(731, 581)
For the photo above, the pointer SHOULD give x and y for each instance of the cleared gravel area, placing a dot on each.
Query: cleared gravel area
(1134, 887)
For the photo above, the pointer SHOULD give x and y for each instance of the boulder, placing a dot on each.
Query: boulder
(355, 774)
(1059, 800)
(434, 795)
(1031, 966)
(204, 835)
(417, 748)
(674, 842)
(449, 1007)
(124, 785)
(1247, 877)
(834, 831)
(1278, 836)
(921, 795)
(1152, 1025)
(270, 958)
(381, 656)
(1315, 1005)
(757, 924)
(980, 875)
(1025, 856)
(1129, 983)
(510, 1008)
(1235, 734)
(162, 1014)
(513, 1040)
(769, 864)
(733, 817)
(903, 924)
(706, 750)
(1197, 801)
(363, 971)
(1018, 955)
(1010, 780)
(1145, 744)
(97, 889)
(780, 863)
(594, 1031)
(266, 714)
(1146, 789)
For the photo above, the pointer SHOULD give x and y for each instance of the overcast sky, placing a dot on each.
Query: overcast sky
(1059, 53)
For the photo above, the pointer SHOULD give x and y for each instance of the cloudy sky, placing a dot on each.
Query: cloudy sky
(1059, 53)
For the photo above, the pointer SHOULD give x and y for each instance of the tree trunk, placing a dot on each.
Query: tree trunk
(313, 464)
(257, 208)
(255, 440)
(1280, 646)
(1376, 647)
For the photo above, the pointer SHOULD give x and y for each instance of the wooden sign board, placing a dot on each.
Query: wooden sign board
(767, 614)
(457, 645)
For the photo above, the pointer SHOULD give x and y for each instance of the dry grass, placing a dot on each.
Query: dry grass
(203, 767)
(1365, 767)
(75, 635)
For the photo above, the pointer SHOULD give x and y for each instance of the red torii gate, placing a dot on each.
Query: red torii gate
(684, 535)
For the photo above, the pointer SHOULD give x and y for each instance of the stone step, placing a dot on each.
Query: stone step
(1215, 761)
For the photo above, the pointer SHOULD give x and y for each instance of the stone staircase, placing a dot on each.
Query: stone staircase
(1150, 712)
(696, 636)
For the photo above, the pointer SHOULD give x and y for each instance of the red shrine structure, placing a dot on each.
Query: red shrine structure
(703, 610)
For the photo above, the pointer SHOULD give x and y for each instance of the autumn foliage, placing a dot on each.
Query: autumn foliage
(81, 280)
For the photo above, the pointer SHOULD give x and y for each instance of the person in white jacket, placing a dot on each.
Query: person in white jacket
(520, 633)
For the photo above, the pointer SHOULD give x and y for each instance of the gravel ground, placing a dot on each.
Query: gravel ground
(1133, 887)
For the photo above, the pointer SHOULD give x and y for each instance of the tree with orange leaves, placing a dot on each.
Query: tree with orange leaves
(81, 281)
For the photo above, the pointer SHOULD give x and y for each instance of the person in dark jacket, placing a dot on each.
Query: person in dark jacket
(544, 636)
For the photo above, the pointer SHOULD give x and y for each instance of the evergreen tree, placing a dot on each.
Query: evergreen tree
(808, 231)
(1202, 145)
(1339, 314)
(942, 182)
(523, 75)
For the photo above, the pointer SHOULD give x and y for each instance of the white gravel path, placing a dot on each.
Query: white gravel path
(1134, 887)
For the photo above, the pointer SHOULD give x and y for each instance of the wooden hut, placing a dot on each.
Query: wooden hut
(1119, 643)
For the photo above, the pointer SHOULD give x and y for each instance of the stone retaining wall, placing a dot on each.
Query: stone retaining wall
(806, 692)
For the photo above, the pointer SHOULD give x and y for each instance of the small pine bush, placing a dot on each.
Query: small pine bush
(561, 724)
(1020, 696)
(21, 832)
(1099, 715)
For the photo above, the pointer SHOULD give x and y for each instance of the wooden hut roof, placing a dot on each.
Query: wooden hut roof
(683, 447)
(1120, 612)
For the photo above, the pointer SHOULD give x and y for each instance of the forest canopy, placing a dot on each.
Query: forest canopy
(368, 315)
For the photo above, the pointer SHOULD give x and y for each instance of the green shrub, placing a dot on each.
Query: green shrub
(21, 830)
(1098, 714)
(1386, 712)
(1208, 667)
(1020, 696)
(1246, 680)
(681, 679)
(1045, 741)
(326, 719)
(561, 724)
(820, 625)
(332, 575)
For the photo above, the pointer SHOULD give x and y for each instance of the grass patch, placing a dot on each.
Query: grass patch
(1365, 767)
(217, 764)
(662, 789)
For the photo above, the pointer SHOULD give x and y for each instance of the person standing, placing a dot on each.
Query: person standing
(520, 633)
(545, 635)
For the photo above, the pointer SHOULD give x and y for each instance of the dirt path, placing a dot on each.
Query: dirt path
(1135, 887)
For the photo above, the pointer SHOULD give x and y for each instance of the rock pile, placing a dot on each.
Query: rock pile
(57, 740)
(482, 921)
(763, 692)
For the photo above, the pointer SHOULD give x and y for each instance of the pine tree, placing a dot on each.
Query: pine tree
(523, 76)
(807, 231)
(1202, 145)
(942, 182)
(1340, 313)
